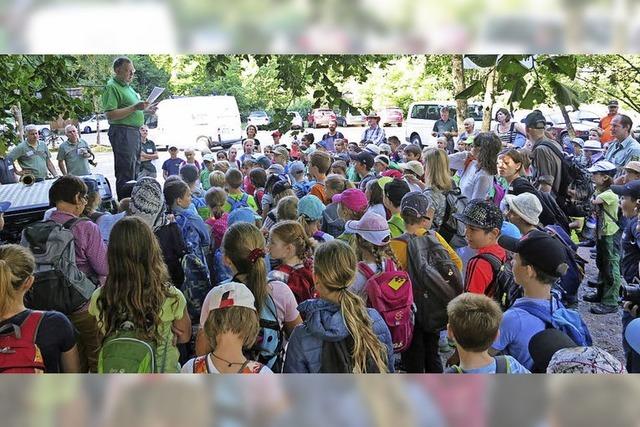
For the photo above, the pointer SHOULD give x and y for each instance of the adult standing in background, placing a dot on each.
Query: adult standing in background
(605, 123)
(74, 154)
(32, 155)
(623, 148)
(148, 153)
(125, 112)
(447, 127)
(331, 136)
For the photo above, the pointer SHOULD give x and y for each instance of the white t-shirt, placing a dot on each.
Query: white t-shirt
(187, 368)
(360, 281)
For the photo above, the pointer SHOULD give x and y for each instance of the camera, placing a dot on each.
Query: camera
(631, 293)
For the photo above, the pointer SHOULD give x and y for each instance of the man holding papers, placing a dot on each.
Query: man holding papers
(125, 112)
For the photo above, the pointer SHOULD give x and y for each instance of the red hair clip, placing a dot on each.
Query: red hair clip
(255, 254)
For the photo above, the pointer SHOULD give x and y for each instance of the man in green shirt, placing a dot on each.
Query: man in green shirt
(125, 112)
(74, 154)
(32, 155)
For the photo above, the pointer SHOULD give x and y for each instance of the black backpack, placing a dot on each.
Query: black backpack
(337, 358)
(503, 287)
(502, 366)
(453, 230)
(435, 278)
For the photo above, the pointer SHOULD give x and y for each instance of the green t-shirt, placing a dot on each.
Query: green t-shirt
(204, 178)
(396, 225)
(610, 206)
(32, 159)
(72, 155)
(250, 201)
(118, 95)
(172, 309)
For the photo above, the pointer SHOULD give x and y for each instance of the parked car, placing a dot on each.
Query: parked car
(91, 124)
(320, 117)
(258, 118)
(391, 116)
(296, 120)
(559, 128)
(359, 119)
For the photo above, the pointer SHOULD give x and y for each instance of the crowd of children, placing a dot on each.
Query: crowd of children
(341, 257)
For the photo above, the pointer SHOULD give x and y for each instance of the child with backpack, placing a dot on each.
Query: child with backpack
(607, 251)
(473, 325)
(140, 314)
(279, 191)
(339, 335)
(237, 198)
(289, 244)
(243, 248)
(231, 326)
(258, 178)
(310, 211)
(332, 223)
(539, 260)
(319, 166)
(31, 341)
(434, 270)
(394, 190)
(216, 198)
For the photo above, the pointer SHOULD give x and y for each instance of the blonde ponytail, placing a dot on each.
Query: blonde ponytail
(16, 265)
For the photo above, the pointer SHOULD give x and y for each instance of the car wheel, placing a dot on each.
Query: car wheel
(415, 139)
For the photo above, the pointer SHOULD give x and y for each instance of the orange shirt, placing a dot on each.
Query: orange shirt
(320, 192)
(605, 123)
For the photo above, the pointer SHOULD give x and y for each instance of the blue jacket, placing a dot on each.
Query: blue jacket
(324, 322)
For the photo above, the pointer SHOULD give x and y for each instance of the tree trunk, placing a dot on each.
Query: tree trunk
(458, 86)
(567, 120)
(489, 100)
(17, 114)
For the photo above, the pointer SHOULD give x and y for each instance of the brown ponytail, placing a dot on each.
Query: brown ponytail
(335, 269)
(16, 265)
(293, 233)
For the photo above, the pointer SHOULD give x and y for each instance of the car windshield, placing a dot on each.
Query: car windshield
(258, 113)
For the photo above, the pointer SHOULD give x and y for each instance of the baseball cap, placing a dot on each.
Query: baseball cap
(395, 190)
(231, 294)
(323, 143)
(172, 147)
(415, 203)
(393, 173)
(353, 199)
(539, 249)
(263, 161)
(296, 167)
(584, 360)
(282, 151)
(385, 148)
(592, 145)
(630, 189)
(383, 180)
(209, 158)
(526, 205)
(578, 141)
(276, 169)
(373, 149)
(613, 103)
(4, 206)
(311, 207)
(545, 344)
(382, 159)
(364, 157)
(372, 227)
(243, 214)
(414, 166)
(535, 120)
(632, 334)
(481, 214)
(280, 186)
(633, 166)
(603, 166)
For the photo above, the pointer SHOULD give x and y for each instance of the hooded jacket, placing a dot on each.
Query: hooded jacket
(324, 322)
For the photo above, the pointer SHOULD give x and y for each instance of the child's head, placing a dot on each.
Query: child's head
(474, 321)
(334, 270)
(189, 174)
(296, 171)
(288, 239)
(217, 179)
(215, 198)
(394, 143)
(243, 248)
(381, 163)
(221, 166)
(336, 184)
(539, 258)
(339, 167)
(436, 166)
(310, 210)
(483, 220)
(523, 210)
(441, 143)
(233, 312)
(124, 204)
(372, 236)
(258, 177)
(287, 208)
(602, 174)
(319, 163)
(374, 192)
(412, 152)
(233, 179)
(177, 194)
(16, 275)
(394, 191)
(416, 210)
(352, 204)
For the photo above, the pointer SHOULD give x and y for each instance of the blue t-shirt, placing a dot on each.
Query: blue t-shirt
(517, 329)
(172, 166)
(630, 243)
(514, 367)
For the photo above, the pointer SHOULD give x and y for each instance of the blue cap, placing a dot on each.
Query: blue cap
(241, 215)
(311, 207)
(4, 206)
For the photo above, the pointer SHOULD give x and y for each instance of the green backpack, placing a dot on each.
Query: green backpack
(126, 353)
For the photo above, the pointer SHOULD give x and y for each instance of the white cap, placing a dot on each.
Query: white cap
(603, 166)
(231, 294)
(373, 149)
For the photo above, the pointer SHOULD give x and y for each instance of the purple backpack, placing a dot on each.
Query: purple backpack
(391, 294)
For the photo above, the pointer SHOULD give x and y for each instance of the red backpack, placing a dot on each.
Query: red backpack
(299, 278)
(19, 353)
(391, 294)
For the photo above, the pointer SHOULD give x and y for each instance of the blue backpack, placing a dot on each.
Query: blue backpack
(570, 281)
(197, 281)
(563, 319)
(302, 188)
(236, 204)
(268, 348)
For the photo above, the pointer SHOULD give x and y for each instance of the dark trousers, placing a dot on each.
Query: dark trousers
(125, 142)
(422, 356)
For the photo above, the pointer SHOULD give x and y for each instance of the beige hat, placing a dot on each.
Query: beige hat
(414, 166)
(633, 166)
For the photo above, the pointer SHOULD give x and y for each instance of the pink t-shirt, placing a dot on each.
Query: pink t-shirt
(285, 301)
(218, 227)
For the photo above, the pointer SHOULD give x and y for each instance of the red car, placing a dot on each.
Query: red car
(320, 117)
(391, 116)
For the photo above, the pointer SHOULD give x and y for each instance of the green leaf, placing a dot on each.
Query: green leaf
(564, 64)
(517, 92)
(534, 96)
(472, 90)
(318, 93)
(510, 65)
(483, 61)
(564, 94)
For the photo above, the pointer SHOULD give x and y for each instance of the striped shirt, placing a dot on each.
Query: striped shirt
(375, 135)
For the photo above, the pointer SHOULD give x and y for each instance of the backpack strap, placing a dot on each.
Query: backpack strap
(454, 369)
(365, 270)
(511, 128)
(73, 221)
(496, 263)
(30, 325)
(389, 265)
(200, 365)
(502, 364)
(244, 198)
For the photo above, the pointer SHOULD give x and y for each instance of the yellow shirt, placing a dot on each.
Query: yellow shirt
(400, 250)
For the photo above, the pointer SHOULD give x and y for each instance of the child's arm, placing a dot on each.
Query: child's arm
(182, 328)
(597, 201)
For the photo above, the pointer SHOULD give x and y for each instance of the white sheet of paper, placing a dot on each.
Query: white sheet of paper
(155, 93)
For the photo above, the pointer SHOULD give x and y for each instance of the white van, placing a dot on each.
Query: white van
(201, 122)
